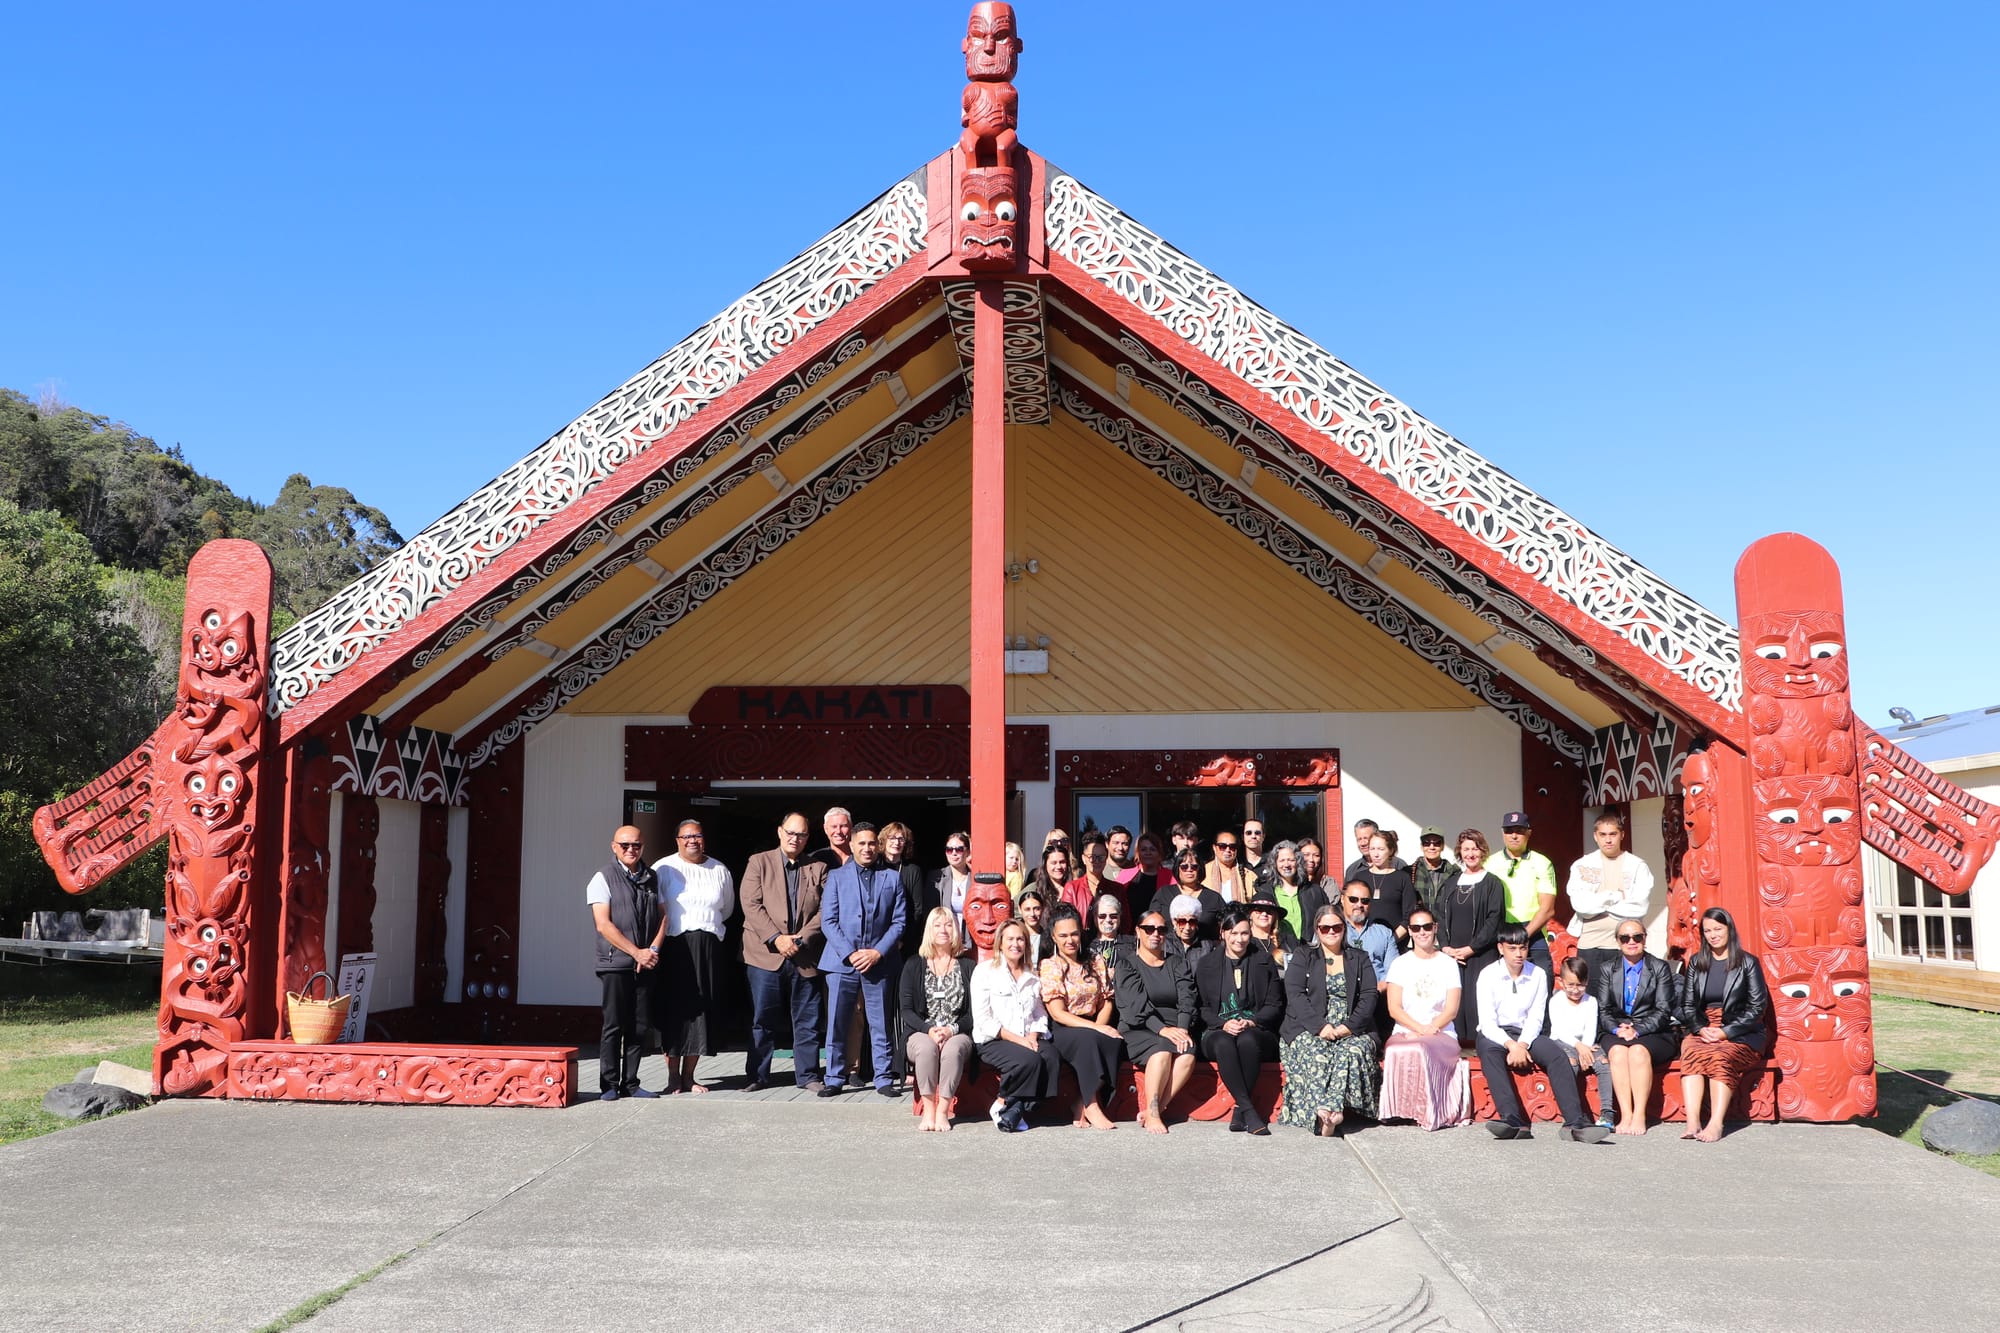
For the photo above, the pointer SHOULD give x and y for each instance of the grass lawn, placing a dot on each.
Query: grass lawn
(59, 1019)
(1959, 1048)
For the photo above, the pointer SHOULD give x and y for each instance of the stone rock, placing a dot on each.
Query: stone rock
(109, 1073)
(1971, 1127)
(87, 1074)
(87, 1101)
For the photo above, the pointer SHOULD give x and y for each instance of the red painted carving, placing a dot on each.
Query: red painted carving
(433, 887)
(1756, 1100)
(1226, 771)
(1674, 837)
(360, 824)
(493, 894)
(1826, 1041)
(1700, 878)
(1805, 806)
(95, 830)
(831, 705)
(416, 1075)
(987, 908)
(986, 226)
(308, 863)
(1920, 820)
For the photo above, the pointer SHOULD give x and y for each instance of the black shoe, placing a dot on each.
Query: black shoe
(1500, 1129)
(831, 1090)
(890, 1090)
(1583, 1134)
(1258, 1129)
(608, 1095)
(758, 1085)
(1236, 1125)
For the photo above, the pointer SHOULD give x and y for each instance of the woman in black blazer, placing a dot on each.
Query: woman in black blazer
(1635, 1022)
(1158, 1011)
(1722, 1002)
(1242, 1000)
(936, 1011)
(1187, 884)
(1330, 1055)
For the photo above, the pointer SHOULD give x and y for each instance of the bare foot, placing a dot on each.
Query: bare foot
(1153, 1122)
(692, 1086)
(1691, 1132)
(1709, 1135)
(1093, 1116)
(943, 1125)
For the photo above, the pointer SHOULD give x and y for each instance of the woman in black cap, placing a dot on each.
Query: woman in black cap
(1242, 1000)
(1269, 931)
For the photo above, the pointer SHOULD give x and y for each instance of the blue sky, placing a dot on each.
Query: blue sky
(1697, 273)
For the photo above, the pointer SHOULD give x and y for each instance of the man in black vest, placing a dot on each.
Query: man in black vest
(624, 900)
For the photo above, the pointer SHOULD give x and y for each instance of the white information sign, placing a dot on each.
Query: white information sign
(357, 978)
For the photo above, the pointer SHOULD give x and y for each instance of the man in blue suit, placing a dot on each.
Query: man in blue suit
(862, 915)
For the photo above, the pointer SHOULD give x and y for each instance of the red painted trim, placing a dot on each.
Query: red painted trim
(365, 679)
(688, 758)
(383, 1072)
(493, 891)
(433, 888)
(1552, 796)
(1312, 770)
(1655, 677)
(988, 599)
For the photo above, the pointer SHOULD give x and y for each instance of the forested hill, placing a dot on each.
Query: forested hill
(97, 524)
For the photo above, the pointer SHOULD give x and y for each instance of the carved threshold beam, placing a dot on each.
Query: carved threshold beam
(1330, 492)
(1326, 569)
(733, 555)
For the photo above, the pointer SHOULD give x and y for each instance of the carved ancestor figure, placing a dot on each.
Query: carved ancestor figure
(1826, 1036)
(987, 224)
(1795, 693)
(987, 908)
(1700, 878)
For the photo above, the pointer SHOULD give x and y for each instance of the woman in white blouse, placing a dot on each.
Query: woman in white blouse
(699, 894)
(1012, 1028)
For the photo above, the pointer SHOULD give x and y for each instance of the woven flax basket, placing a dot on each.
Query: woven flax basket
(317, 1022)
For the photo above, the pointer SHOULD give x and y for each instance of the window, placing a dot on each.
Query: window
(1917, 922)
(1289, 813)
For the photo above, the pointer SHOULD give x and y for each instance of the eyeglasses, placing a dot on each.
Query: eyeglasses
(1631, 939)
(956, 847)
(1108, 916)
(1187, 865)
(1225, 846)
(1150, 930)
(1357, 900)
(1329, 930)
(1426, 926)
(690, 837)
(1180, 921)
(631, 846)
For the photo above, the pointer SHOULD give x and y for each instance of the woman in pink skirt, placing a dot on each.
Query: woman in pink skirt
(1423, 1078)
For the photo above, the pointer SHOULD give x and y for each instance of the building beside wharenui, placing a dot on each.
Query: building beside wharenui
(990, 509)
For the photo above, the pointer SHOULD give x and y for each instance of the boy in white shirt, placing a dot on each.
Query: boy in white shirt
(1572, 1029)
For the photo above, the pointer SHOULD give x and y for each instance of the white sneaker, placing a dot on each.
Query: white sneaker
(993, 1111)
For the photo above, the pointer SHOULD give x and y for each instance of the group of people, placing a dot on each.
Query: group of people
(1369, 989)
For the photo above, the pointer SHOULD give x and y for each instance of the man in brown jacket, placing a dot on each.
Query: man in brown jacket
(781, 947)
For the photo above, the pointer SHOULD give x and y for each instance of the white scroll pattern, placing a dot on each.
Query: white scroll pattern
(707, 363)
(1330, 398)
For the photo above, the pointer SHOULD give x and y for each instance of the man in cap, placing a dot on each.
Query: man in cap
(1432, 872)
(1530, 881)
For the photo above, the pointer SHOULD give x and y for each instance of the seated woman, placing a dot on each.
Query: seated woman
(1157, 1012)
(1242, 999)
(1329, 1031)
(1422, 1077)
(1722, 1000)
(1076, 991)
(1105, 931)
(937, 1016)
(1185, 938)
(1269, 930)
(1187, 884)
(1012, 1029)
(1635, 1018)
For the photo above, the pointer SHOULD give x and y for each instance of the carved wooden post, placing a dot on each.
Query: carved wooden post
(493, 892)
(360, 823)
(308, 862)
(433, 887)
(1807, 801)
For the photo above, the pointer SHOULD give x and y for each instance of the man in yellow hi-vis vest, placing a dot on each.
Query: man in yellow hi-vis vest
(1531, 884)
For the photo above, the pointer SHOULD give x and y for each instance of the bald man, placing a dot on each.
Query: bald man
(624, 899)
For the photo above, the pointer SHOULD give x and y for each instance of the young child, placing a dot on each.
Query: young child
(1573, 1026)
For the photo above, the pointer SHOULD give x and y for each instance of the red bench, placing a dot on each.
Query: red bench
(1204, 1097)
(1754, 1101)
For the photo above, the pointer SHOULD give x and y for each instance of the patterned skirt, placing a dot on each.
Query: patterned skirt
(1322, 1075)
(1729, 1062)
(1423, 1079)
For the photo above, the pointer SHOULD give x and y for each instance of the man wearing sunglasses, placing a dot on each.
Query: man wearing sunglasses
(1372, 938)
(1607, 889)
(624, 901)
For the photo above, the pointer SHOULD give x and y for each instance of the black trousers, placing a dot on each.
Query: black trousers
(1239, 1059)
(628, 1017)
(1094, 1056)
(1025, 1075)
(1545, 1052)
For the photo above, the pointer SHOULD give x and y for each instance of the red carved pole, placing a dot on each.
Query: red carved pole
(989, 583)
(308, 863)
(1807, 803)
(360, 823)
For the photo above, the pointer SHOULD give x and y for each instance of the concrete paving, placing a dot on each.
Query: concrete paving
(733, 1210)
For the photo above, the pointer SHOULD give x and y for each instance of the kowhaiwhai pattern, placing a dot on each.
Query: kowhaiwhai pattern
(1024, 342)
(1330, 398)
(710, 361)
(717, 570)
(1353, 589)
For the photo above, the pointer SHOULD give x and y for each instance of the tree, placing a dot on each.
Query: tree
(320, 539)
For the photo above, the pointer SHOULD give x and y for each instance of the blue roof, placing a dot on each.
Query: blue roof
(1948, 735)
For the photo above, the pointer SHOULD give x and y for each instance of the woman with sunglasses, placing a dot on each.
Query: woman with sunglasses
(953, 882)
(1106, 929)
(1076, 990)
(1158, 1009)
(1423, 1078)
(1635, 1019)
(1209, 905)
(1329, 1031)
(1722, 1000)
(1242, 999)
(1270, 933)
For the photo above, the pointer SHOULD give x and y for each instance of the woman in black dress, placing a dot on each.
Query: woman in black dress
(1721, 999)
(1158, 1009)
(1187, 884)
(1105, 930)
(1242, 999)
(1393, 891)
(1470, 909)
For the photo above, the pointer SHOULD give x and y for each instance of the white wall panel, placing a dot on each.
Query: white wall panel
(573, 799)
(1649, 844)
(395, 923)
(454, 908)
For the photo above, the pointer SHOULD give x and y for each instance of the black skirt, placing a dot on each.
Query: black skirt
(686, 991)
